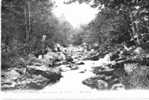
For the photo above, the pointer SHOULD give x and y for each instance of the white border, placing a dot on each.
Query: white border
(56, 95)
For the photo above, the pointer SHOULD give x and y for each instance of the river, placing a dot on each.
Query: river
(72, 79)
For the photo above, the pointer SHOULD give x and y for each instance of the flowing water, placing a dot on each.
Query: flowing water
(72, 79)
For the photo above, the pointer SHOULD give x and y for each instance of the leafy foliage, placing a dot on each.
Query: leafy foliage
(24, 22)
(118, 21)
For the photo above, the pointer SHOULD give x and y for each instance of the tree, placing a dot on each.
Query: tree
(134, 14)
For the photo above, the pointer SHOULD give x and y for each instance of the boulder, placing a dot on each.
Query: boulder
(49, 73)
(74, 67)
(33, 82)
(79, 63)
(130, 67)
(118, 86)
(64, 68)
(101, 84)
(37, 82)
(83, 71)
(138, 51)
(12, 75)
(102, 69)
(31, 60)
(7, 85)
(61, 56)
(9, 79)
(49, 58)
(96, 82)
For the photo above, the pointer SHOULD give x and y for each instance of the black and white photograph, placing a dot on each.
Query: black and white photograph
(74, 46)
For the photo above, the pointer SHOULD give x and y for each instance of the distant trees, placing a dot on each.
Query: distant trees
(12, 20)
(135, 13)
(25, 21)
(119, 21)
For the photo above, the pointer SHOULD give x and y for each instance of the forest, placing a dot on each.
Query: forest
(41, 51)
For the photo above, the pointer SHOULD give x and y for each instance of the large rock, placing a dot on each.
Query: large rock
(52, 74)
(101, 84)
(61, 56)
(35, 77)
(96, 83)
(139, 51)
(49, 58)
(102, 69)
(11, 75)
(7, 85)
(36, 82)
(33, 82)
(64, 68)
(9, 79)
(36, 68)
(130, 67)
(52, 57)
(118, 86)
(31, 60)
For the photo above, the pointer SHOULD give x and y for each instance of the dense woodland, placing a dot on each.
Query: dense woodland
(120, 29)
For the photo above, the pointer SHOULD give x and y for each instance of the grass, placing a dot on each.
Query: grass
(137, 79)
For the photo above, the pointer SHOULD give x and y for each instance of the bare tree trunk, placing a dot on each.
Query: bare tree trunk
(27, 20)
(137, 32)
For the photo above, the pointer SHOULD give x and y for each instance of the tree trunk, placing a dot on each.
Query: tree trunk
(27, 20)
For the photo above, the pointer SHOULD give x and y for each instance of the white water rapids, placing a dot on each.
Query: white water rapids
(72, 79)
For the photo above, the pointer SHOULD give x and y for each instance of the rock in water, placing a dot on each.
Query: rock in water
(83, 71)
(101, 84)
(64, 68)
(69, 58)
(80, 63)
(74, 67)
(118, 86)
(96, 83)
